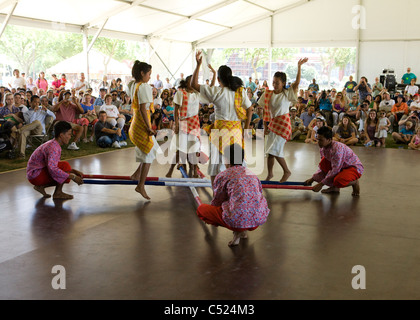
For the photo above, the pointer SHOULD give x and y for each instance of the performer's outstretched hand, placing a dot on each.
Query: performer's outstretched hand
(302, 61)
(199, 57)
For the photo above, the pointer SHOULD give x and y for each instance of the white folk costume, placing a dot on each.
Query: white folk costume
(188, 139)
(230, 109)
(276, 112)
(146, 146)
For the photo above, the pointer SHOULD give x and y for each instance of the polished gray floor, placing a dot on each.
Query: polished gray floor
(114, 245)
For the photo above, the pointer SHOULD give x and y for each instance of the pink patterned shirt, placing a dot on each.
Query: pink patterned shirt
(239, 192)
(341, 157)
(46, 155)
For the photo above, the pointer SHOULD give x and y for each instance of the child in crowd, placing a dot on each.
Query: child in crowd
(371, 125)
(156, 121)
(320, 122)
(415, 140)
(346, 132)
(238, 203)
(382, 130)
(406, 133)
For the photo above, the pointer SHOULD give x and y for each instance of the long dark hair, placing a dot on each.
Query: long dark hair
(225, 77)
(282, 76)
(138, 68)
(183, 84)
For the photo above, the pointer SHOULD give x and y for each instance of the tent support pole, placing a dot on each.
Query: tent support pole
(161, 60)
(6, 21)
(86, 52)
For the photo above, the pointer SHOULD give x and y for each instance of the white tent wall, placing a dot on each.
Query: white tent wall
(390, 40)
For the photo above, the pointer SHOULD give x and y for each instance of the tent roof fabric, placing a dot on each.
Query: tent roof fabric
(180, 20)
(223, 23)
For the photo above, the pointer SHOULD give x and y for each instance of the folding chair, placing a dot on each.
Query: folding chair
(36, 140)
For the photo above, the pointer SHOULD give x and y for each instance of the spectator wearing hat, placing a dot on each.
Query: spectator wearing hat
(296, 123)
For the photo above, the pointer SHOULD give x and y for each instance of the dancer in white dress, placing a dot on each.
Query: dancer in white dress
(278, 129)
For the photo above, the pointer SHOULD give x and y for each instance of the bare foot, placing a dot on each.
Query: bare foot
(142, 191)
(331, 190)
(235, 240)
(269, 177)
(41, 190)
(356, 189)
(169, 174)
(286, 175)
(62, 195)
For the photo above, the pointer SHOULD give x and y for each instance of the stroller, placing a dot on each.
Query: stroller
(6, 147)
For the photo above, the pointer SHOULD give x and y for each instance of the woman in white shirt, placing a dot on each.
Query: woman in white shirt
(231, 106)
(113, 115)
(186, 140)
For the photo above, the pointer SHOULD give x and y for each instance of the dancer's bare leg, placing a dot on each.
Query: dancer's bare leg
(175, 161)
(41, 189)
(286, 171)
(270, 166)
(143, 175)
(59, 194)
(356, 188)
(237, 236)
(136, 175)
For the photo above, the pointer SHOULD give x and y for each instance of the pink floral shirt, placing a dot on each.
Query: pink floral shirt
(46, 155)
(239, 192)
(341, 157)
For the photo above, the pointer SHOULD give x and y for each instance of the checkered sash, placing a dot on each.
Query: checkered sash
(189, 125)
(138, 128)
(240, 112)
(223, 133)
(184, 107)
(267, 113)
(279, 125)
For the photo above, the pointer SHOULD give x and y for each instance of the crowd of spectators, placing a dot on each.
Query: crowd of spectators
(359, 113)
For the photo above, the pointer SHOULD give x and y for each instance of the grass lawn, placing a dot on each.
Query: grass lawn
(91, 148)
(85, 150)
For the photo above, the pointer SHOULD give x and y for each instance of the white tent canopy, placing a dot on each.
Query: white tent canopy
(381, 29)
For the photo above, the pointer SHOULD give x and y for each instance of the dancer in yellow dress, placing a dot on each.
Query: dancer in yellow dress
(141, 133)
(231, 107)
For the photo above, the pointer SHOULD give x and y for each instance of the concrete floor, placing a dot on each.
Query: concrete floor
(114, 245)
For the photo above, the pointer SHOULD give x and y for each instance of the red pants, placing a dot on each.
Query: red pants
(343, 178)
(44, 178)
(213, 215)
